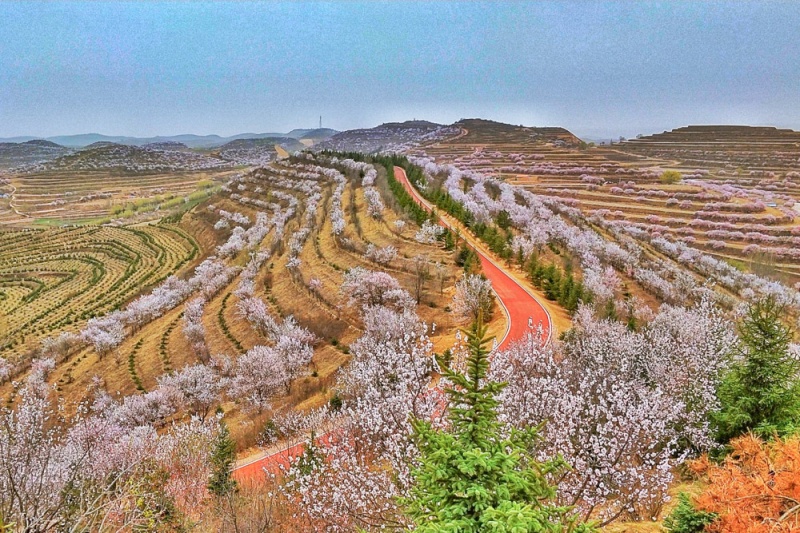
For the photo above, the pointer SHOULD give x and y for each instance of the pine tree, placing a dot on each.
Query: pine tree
(761, 391)
(552, 282)
(449, 242)
(223, 457)
(611, 310)
(470, 477)
(575, 297)
(567, 283)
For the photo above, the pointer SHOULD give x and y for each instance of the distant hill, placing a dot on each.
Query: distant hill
(317, 134)
(190, 140)
(298, 133)
(726, 146)
(287, 142)
(168, 146)
(422, 124)
(481, 131)
(30, 152)
(388, 136)
(104, 155)
(42, 144)
(256, 151)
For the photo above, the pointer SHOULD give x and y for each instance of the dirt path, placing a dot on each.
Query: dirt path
(12, 199)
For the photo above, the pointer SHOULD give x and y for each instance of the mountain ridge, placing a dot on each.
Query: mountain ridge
(82, 140)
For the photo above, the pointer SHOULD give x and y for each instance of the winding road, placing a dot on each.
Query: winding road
(522, 310)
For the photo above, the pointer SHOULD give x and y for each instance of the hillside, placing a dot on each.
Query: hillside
(167, 146)
(722, 147)
(391, 136)
(29, 152)
(310, 294)
(736, 201)
(256, 151)
(111, 156)
(318, 134)
(487, 131)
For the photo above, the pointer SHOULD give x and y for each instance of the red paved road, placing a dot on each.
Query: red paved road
(519, 303)
(520, 306)
(276, 462)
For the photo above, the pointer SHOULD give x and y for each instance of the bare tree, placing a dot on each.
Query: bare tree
(421, 268)
(442, 275)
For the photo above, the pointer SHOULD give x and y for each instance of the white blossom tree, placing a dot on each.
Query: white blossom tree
(198, 388)
(193, 327)
(473, 297)
(429, 233)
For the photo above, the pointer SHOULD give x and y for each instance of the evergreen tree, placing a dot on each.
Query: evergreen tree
(311, 459)
(761, 391)
(449, 242)
(223, 456)
(470, 477)
(503, 219)
(567, 283)
(575, 297)
(551, 282)
(520, 257)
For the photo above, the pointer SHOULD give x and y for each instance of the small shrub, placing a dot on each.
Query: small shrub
(670, 176)
(686, 518)
(336, 401)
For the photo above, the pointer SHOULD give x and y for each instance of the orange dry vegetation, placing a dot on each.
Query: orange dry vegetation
(756, 489)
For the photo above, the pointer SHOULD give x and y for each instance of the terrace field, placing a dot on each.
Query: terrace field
(54, 280)
(736, 201)
(65, 197)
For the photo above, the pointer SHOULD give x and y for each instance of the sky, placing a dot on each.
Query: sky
(596, 68)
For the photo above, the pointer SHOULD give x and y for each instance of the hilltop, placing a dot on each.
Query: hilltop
(257, 151)
(491, 132)
(316, 134)
(389, 136)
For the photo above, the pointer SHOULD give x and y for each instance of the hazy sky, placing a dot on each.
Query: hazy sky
(597, 68)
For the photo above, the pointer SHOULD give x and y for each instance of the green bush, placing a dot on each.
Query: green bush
(686, 519)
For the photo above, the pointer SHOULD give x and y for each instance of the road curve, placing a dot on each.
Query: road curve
(520, 305)
(274, 462)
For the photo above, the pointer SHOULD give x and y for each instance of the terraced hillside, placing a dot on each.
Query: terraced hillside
(273, 243)
(122, 157)
(736, 200)
(256, 152)
(55, 280)
(79, 196)
(754, 148)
